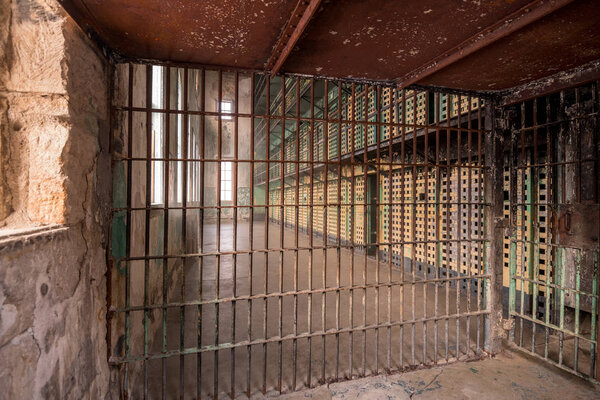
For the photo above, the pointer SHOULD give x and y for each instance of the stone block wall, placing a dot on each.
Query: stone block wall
(55, 184)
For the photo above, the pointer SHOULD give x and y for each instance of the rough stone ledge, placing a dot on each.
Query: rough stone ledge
(15, 239)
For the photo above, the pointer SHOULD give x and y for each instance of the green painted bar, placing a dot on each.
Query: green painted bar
(594, 315)
(561, 268)
(512, 304)
(577, 305)
(530, 240)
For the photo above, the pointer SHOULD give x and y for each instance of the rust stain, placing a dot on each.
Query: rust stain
(360, 39)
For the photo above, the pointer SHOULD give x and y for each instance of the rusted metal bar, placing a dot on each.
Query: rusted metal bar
(350, 200)
(554, 170)
(425, 221)
(234, 188)
(275, 339)
(438, 247)
(201, 234)
(392, 141)
(469, 226)
(147, 222)
(266, 231)
(494, 228)
(402, 251)
(290, 294)
(459, 223)
(296, 239)
(250, 246)
(482, 209)
(339, 207)
(392, 116)
(218, 238)
(165, 231)
(595, 327)
(281, 226)
(448, 229)
(128, 221)
(365, 217)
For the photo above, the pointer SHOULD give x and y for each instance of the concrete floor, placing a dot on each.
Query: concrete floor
(510, 375)
(330, 357)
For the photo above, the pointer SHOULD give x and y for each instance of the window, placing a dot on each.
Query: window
(226, 108)
(226, 181)
(158, 144)
(179, 155)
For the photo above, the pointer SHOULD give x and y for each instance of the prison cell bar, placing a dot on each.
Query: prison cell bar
(556, 190)
(365, 122)
(166, 227)
(147, 225)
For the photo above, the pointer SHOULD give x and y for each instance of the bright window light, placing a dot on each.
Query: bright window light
(158, 145)
(226, 108)
(226, 181)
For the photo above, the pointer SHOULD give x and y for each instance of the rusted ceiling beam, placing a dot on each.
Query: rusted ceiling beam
(504, 27)
(291, 33)
(565, 79)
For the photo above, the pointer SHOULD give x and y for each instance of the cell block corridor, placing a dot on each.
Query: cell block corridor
(243, 199)
(276, 233)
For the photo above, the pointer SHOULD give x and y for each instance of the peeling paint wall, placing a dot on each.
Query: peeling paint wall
(56, 178)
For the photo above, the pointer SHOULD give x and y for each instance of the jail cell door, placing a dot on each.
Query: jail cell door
(270, 234)
(553, 243)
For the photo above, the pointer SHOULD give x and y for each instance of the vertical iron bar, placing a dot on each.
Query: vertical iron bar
(165, 227)
(251, 238)
(469, 225)
(218, 238)
(281, 230)
(594, 321)
(448, 227)
(201, 236)
(147, 224)
(413, 232)
(266, 230)
(577, 305)
(459, 233)
(234, 187)
(184, 185)
(129, 222)
(481, 207)
(296, 224)
(403, 229)
(391, 128)
(351, 197)
(548, 242)
(365, 225)
(310, 297)
(339, 214)
(437, 199)
(534, 258)
(425, 225)
(523, 238)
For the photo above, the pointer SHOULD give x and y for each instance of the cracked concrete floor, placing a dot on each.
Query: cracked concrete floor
(510, 375)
